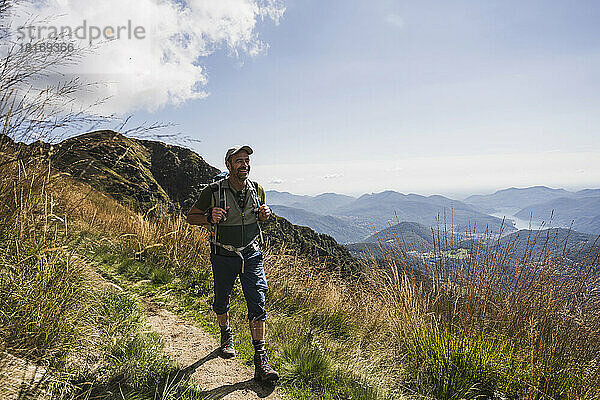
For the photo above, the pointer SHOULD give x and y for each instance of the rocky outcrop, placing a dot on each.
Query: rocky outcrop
(179, 171)
(114, 164)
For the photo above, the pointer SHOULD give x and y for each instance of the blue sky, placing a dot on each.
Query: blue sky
(416, 96)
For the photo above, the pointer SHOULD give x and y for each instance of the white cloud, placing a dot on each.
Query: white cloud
(275, 181)
(333, 176)
(165, 67)
(395, 20)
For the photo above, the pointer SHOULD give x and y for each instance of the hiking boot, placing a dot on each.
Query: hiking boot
(262, 369)
(227, 349)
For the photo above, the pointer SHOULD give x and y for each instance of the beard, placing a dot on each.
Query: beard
(240, 174)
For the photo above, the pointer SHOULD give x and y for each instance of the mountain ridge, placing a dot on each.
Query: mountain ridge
(514, 199)
(375, 211)
(390, 206)
(146, 175)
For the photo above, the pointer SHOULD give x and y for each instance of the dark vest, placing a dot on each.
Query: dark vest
(241, 226)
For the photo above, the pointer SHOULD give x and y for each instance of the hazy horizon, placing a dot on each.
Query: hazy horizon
(454, 196)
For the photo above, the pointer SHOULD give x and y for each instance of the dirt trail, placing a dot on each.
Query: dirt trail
(20, 378)
(196, 353)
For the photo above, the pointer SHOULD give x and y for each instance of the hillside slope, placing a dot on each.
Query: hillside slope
(412, 234)
(138, 173)
(340, 229)
(305, 241)
(144, 173)
(406, 236)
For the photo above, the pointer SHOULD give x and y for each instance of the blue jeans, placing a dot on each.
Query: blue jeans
(254, 283)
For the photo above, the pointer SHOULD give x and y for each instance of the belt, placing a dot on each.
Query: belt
(237, 250)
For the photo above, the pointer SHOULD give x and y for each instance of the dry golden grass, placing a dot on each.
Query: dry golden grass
(86, 340)
(526, 325)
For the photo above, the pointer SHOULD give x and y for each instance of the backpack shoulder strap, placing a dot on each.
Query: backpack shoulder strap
(256, 200)
(222, 196)
(214, 188)
(254, 190)
(218, 194)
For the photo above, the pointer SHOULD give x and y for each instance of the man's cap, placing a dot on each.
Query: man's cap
(235, 149)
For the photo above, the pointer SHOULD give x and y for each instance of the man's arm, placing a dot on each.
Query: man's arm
(196, 217)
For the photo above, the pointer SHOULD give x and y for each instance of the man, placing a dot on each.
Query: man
(234, 206)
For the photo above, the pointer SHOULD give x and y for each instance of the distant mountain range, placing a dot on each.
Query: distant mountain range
(321, 204)
(340, 229)
(515, 198)
(553, 242)
(351, 220)
(373, 212)
(540, 203)
(389, 206)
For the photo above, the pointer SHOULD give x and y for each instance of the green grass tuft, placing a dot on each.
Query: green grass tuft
(304, 364)
(334, 321)
(44, 298)
(307, 369)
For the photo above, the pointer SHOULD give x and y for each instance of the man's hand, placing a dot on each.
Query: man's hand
(218, 214)
(264, 212)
